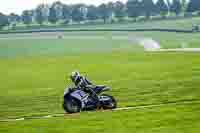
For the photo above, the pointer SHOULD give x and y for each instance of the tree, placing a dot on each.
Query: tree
(110, 9)
(58, 6)
(79, 12)
(103, 12)
(66, 13)
(13, 18)
(168, 6)
(120, 10)
(148, 8)
(27, 17)
(56, 12)
(40, 17)
(3, 20)
(176, 7)
(133, 8)
(162, 8)
(184, 5)
(92, 13)
(194, 5)
(52, 15)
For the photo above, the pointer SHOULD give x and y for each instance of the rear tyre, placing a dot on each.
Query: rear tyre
(109, 104)
(72, 105)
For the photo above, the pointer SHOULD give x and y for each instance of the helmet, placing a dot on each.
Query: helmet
(74, 76)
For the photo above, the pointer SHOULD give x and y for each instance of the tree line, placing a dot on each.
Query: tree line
(113, 11)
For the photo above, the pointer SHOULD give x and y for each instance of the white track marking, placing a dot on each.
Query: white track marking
(178, 50)
(118, 109)
(48, 116)
(156, 105)
(20, 119)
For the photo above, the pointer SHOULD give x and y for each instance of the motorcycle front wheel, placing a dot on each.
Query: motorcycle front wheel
(72, 105)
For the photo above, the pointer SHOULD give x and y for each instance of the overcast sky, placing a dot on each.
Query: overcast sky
(17, 6)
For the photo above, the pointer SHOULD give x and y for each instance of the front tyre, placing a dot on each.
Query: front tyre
(72, 105)
(109, 103)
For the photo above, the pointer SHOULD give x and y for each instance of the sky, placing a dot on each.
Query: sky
(17, 6)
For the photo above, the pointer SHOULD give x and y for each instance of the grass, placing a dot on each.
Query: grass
(184, 23)
(179, 119)
(34, 75)
(33, 47)
(33, 86)
(173, 40)
(83, 42)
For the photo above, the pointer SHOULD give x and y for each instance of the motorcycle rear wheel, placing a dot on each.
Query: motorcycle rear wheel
(111, 104)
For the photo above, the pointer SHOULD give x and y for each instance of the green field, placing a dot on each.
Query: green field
(181, 23)
(34, 75)
(89, 42)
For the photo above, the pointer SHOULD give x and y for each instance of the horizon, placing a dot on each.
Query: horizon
(12, 6)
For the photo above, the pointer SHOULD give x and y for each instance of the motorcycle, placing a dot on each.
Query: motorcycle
(77, 100)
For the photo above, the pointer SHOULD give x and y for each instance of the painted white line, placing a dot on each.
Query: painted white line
(117, 109)
(177, 50)
(139, 107)
(48, 116)
(20, 119)
(156, 105)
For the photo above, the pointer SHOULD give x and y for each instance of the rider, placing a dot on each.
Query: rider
(80, 82)
(84, 84)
